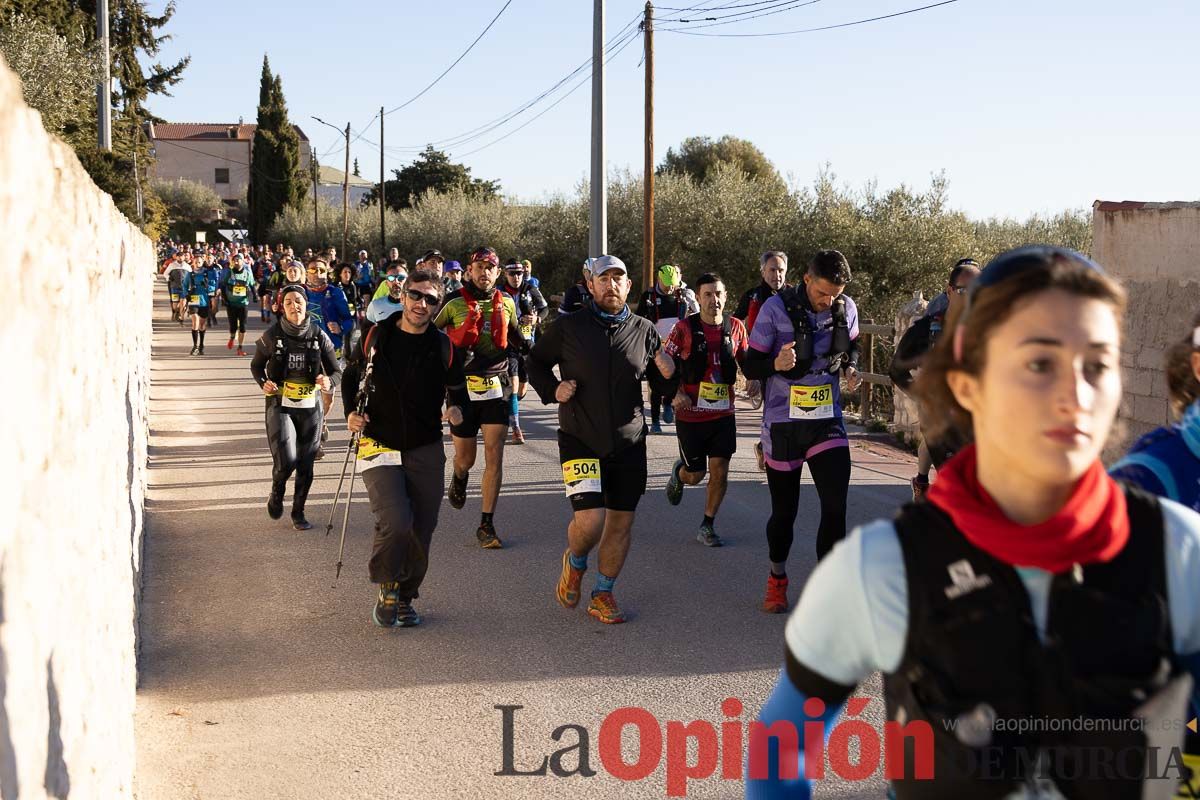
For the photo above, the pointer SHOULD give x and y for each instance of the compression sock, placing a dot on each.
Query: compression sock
(194, 332)
(603, 584)
(514, 410)
(201, 338)
(779, 570)
(578, 562)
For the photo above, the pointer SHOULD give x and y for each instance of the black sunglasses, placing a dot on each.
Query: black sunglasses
(416, 297)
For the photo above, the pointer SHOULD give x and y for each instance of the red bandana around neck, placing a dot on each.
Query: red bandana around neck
(1092, 527)
(467, 334)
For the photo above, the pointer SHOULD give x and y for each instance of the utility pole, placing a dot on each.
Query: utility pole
(314, 168)
(104, 88)
(598, 228)
(382, 194)
(346, 196)
(648, 180)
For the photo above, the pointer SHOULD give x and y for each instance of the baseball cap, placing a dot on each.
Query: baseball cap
(433, 254)
(452, 266)
(669, 274)
(527, 264)
(603, 264)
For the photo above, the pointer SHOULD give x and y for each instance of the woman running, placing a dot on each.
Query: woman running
(1030, 587)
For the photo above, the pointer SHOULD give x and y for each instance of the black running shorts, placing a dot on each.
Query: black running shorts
(479, 413)
(698, 441)
(622, 474)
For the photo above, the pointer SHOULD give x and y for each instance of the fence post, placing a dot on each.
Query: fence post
(864, 391)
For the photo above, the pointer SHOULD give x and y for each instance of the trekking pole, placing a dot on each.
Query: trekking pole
(353, 447)
(364, 390)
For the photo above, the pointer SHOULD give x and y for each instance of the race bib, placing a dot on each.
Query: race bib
(527, 331)
(194, 299)
(480, 388)
(713, 397)
(581, 475)
(239, 290)
(372, 454)
(299, 395)
(811, 402)
(174, 297)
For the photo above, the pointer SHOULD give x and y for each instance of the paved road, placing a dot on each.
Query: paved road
(261, 678)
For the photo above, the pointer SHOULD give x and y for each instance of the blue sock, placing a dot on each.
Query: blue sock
(578, 562)
(514, 409)
(603, 584)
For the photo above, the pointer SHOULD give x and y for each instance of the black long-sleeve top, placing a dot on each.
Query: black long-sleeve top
(263, 368)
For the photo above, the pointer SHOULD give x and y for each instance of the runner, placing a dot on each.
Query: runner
(532, 281)
(482, 320)
(602, 354)
(578, 295)
(327, 308)
(397, 269)
(176, 272)
(918, 340)
(664, 304)
(292, 360)
(383, 307)
(452, 277)
(238, 289)
(432, 261)
(364, 277)
(772, 265)
(803, 338)
(213, 269)
(532, 309)
(1029, 587)
(400, 455)
(264, 269)
(291, 275)
(1166, 461)
(345, 282)
(702, 353)
(196, 288)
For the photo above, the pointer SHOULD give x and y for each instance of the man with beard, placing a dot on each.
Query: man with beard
(483, 321)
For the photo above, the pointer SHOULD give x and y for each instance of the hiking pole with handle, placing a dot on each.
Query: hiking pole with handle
(353, 441)
(364, 390)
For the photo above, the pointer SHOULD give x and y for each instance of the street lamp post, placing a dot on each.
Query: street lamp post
(345, 185)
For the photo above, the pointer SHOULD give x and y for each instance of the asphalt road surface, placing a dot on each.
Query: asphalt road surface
(262, 678)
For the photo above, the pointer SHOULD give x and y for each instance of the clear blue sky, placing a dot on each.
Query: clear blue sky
(1029, 106)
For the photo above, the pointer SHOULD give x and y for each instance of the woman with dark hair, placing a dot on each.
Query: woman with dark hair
(1029, 587)
(1167, 461)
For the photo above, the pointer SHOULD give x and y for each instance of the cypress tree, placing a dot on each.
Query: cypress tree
(275, 158)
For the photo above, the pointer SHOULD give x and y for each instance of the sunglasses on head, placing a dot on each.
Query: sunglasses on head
(417, 296)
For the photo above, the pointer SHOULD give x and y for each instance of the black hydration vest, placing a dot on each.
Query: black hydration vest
(795, 303)
(692, 371)
(972, 657)
(295, 358)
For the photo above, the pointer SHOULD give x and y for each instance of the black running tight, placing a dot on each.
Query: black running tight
(830, 472)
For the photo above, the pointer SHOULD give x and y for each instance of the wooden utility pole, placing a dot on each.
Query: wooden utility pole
(346, 196)
(648, 180)
(382, 204)
(313, 167)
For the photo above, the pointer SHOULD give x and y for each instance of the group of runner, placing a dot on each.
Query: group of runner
(1024, 582)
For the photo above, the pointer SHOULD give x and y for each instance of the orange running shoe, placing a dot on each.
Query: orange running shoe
(604, 608)
(568, 582)
(776, 600)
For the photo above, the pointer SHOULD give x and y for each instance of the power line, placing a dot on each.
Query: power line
(714, 8)
(452, 66)
(686, 32)
(763, 11)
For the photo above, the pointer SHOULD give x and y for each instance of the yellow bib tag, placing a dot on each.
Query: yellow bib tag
(174, 297)
(299, 395)
(239, 290)
(713, 397)
(194, 299)
(811, 402)
(581, 476)
(480, 388)
(1191, 787)
(527, 331)
(372, 454)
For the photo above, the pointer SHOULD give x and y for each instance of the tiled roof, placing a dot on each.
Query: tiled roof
(202, 130)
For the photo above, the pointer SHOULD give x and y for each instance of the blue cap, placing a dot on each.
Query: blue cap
(452, 266)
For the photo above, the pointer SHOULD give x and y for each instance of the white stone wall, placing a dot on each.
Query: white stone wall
(76, 339)
(1154, 250)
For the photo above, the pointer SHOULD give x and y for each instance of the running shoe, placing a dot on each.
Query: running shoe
(518, 437)
(776, 601)
(324, 432)
(275, 501)
(668, 413)
(760, 457)
(707, 536)
(393, 611)
(457, 491)
(195, 350)
(300, 523)
(604, 608)
(920, 485)
(320, 453)
(229, 344)
(241, 352)
(200, 352)
(675, 485)
(487, 537)
(568, 582)
(655, 427)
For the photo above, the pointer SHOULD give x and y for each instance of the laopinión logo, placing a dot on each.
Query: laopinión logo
(736, 744)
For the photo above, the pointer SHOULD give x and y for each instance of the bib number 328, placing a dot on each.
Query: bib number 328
(581, 476)
(811, 402)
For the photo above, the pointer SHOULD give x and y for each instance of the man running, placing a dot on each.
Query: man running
(702, 354)
(578, 295)
(910, 351)
(176, 272)
(238, 290)
(532, 309)
(804, 339)
(264, 270)
(400, 455)
(482, 320)
(397, 270)
(196, 290)
(381, 308)
(292, 360)
(664, 304)
(602, 353)
(364, 275)
(772, 265)
(328, 309)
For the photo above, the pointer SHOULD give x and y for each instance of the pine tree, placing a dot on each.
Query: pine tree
(275, 179)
